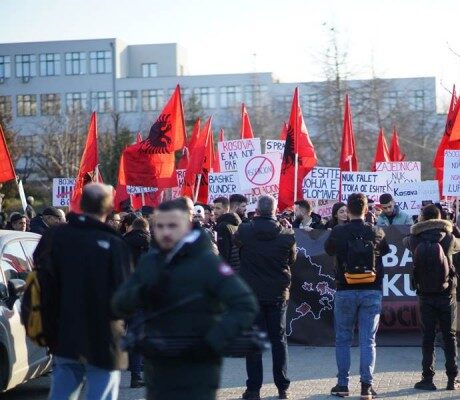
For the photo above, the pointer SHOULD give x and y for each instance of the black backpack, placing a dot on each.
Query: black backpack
(431, 268)
(360, 261)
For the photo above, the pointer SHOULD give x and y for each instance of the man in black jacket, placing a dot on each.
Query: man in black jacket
(305, 218)
(90, 261)
(267, 253)
(356, 245)
(226, 225)
(438, 307)
(42, 222)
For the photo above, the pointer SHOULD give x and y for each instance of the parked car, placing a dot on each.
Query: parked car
(20, 359)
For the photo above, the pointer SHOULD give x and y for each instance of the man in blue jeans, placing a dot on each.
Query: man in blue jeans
(358, 248)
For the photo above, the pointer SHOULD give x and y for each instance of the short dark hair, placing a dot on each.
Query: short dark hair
(430, 212)
(128, 219)
(356, 203)
(206, 207)
(238, 198)
(303, 204)
(16, 216)
(176, 204)
(140, 224)
(223, 200)
(385, 198)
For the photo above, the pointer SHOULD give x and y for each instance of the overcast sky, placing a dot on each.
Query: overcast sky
(404, 38)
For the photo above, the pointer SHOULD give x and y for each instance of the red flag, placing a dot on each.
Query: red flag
(381, 152)
(297, 143)
(283, 132)
(184, 160)
(6, 165)
(246, 129)
(348, 157)
(216, 164)
(88, 165)
(221, 135)
(208, 166)
(139, 137)
(395, 150)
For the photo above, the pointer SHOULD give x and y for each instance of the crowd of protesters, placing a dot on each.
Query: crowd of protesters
(258, 249)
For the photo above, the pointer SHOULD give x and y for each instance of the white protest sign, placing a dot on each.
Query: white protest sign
(222, 184)
(451, 176)
(409, 196)
(362, 182)
(274, 146)
(177, 191)
(322, 183)
(232, 150)
(62, 191)
(259, 171)
(323, 207)
(254, 194)
(394, 173)
(140, 189)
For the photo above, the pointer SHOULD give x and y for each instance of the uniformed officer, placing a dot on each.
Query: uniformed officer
(184, 266)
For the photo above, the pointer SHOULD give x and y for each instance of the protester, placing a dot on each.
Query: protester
(114, 221)
(371, 215)
(432, 244)
(30, 212)
(92, 261)
(305, 218)
(138, 237)
(18, 222)
(208, 216)
(391, 214)
(147, 211)
(238, 204)
(339, 215)
(226, 225)
(127, 221)
(185, 267)
(357, 247)
(3, 219)
(62, 216)
(42, 223)
(267, 253)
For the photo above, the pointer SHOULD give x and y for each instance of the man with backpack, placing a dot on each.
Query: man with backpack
(432, 245)
(358, 248)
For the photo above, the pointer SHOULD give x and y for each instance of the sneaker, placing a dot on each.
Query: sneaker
(283, 394)
(251, 395)
(367, 392)
(340, 391)
(137, 382)
(425, 384)
(453, 384)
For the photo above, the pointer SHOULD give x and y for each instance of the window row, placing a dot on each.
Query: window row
(100, 62)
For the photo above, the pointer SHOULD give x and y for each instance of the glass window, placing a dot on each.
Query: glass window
(149, 70)
(26, 105)
(5, 66)
(5, 105)
(152, 99)
(50, 103)
(311, 105)
(100, 62)
(255, 95)
(230, 96)
(75, 63)
(75, 101)
(25, 66)
(419, 100)
(391, 98)
(206, 96)
(101, 101)
(127, 100)
(14, 262)
(50, 64)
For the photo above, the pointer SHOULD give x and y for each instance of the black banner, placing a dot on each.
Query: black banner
(310, 317)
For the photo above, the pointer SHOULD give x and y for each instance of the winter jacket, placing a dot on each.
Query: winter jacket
(436, 231)
(400, 218)
(226, 227)
(90, 261)
(337, 245)
(316, 222)
(267, 252)
(37, 225)
(139, 242)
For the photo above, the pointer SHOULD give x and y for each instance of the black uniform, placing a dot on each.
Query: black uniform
(162, 280)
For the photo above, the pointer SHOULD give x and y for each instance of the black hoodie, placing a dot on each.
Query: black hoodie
(226, 227)
(138, 241)
(267, 252)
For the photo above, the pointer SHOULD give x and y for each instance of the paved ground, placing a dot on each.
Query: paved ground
(312, 371)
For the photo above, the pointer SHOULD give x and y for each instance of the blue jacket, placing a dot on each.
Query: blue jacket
(401, 218)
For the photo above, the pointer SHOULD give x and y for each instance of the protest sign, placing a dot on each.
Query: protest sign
(451, 176)
(322, 183)
(409, 196)
(274, 146)
(259, 171)
(394, 173)
(177, 191)
(222, 184)
(140, 189)
(62, 191)
(362, 182)
(230, 151)
(323, 207)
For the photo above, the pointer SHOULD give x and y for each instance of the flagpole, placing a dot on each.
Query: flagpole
(143, 199)
(195, 195)
(457, 206)
(296, 172)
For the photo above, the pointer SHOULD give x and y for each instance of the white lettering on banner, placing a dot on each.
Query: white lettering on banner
(451, 175)
(409, 196)
(62, 191)
(230, 151)
(322, 183)
(177, 191)
(140, 189)
(259, 171)
(222, 184)
(274, 146)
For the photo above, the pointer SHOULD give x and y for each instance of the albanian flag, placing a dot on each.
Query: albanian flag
(246, 128)
(396, 154)
(6, 165)
(348, 156)
(381, 152)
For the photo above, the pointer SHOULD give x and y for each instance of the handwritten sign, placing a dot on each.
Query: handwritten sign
(62, 191)
(274, 146)
(322, 183)
(409, 196)
(451, 176)
(222, 184)
(230, 151)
